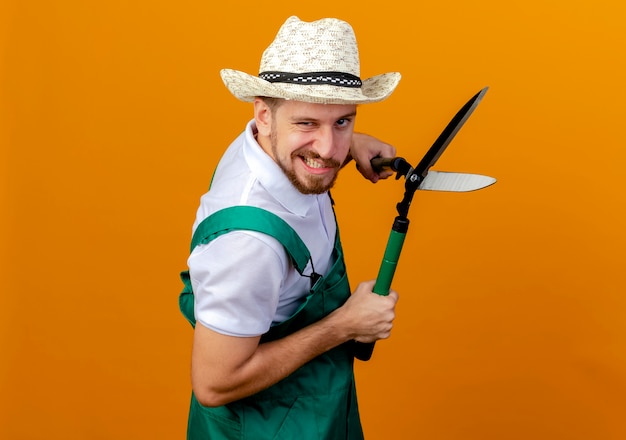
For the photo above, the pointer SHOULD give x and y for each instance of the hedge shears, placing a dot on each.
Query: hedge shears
(422, 178)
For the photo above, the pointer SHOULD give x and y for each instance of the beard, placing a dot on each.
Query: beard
(310, 184)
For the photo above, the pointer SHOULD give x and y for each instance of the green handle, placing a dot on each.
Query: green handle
(389, 263)
(363, 351)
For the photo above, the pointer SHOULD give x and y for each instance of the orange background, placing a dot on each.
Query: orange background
(511, 319)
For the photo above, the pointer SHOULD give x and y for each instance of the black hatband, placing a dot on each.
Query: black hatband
(332, 78)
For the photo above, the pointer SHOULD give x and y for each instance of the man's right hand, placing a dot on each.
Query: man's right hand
(367, 316)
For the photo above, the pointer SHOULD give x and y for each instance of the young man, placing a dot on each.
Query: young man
(275, 320)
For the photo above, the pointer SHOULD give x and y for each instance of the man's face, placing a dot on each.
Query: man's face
(310, 142)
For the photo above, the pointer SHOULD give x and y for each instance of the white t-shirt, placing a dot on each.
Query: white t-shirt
(243, 281)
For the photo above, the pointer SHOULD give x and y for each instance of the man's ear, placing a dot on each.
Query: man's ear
(262, 117)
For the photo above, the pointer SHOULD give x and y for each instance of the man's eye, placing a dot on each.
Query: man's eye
(342, 122)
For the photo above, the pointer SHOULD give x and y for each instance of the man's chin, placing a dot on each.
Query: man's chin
(308, 183)
(313, 186)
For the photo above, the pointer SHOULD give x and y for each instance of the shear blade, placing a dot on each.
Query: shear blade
(455, 182)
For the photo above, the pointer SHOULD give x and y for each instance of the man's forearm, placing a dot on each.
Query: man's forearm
(218, 380)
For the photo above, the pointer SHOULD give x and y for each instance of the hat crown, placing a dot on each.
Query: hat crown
(326, 45)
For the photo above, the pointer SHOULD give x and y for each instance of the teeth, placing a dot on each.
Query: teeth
(313, 164)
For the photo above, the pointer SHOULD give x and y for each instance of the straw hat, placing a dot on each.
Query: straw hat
(312, 62)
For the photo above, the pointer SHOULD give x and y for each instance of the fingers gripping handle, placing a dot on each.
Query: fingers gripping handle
(363, 351)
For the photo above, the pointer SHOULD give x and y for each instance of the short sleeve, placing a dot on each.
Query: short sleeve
(236, 279)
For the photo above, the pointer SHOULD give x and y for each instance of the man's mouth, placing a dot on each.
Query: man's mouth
(317, 162)
(311, 163)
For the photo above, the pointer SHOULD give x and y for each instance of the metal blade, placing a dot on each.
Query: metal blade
(448, 134)
(455, 182)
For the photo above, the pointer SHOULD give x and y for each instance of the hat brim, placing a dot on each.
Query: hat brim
(246, 87)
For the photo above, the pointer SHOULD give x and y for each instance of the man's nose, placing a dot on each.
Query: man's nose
(325, 142)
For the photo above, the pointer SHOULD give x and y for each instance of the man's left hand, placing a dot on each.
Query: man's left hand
(363, 149)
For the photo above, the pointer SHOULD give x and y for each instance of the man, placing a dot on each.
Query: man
(275, 321)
